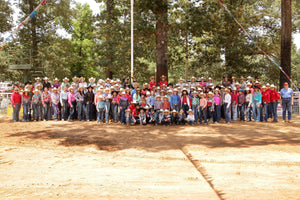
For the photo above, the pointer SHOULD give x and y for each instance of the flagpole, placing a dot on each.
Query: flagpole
(132, 25)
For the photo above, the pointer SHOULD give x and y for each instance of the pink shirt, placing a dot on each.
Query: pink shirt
(202, 84)
(203, 103)
(71, 98)
(217, 99)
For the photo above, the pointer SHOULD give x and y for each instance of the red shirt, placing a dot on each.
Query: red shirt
(136, 113)
(132, 108)
(266, 97)
(274, 96)
(152, 84)
(234, 97)
(163, 82)
(129, 97)
(166, 105)
(15, 98)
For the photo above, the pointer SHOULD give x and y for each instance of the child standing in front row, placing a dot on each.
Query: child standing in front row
(100, 109)
(202, 108)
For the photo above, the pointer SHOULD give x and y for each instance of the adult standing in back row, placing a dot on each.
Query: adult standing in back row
(286, 101)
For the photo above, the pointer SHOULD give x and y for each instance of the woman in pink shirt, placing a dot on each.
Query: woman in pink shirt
(218, 103)
(72, 103)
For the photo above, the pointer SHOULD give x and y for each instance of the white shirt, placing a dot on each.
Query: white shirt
(227, 99)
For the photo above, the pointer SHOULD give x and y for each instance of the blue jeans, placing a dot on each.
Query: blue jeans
(248, 111)
(72, 111)
(241, 112)
(227, 114)
(202, 113)
(122, 115)
(26, 111)
(234, 111)
(47, 111)
(65, 105)
(185, 108)
(80, 110)
(256, 111)
(16, 111)
(89, 110)
(287, 106)
(266, 107)
(36, 111)
(195, 113)
(114, 109)
(107, 108)
(274, 110)
(100, 115)
(217, 113)
(56, 111)
(176, 107)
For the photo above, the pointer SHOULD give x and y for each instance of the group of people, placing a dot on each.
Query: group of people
(157, 103)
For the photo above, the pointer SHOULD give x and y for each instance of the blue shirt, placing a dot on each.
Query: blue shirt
(286, 93)
(152, 100)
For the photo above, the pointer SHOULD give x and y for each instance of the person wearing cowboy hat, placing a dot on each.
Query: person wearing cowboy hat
(174, 117)
(64, 103)
(217, 106)
(37, 81)
(114, 105)
(46, 83)
(55, 99)
(248, 103)
(195, 104)
(91, 81)
(158, 104)
(89, 100)
(36, 103)
(16, 100)
(100, 108)
(166, 103)
(227, 103)
(75, 83)
(125, 82)
(137, 95)
(286, 101)
(65, 83)
(256, 103)
(128, 118)
(163, 80)
(210, 83)
(234, 103)
(39, 87)
(185, 101)
(152, 82)
(241, 104)
(46, 101)
(133, 82)
(123, 104)
(152, 99)
(128, 94)
(167, 118)
(274, 97)
(142, 117)
(266, 99)
(82, 82)
(210, 106)
(249, 79)
(72, 103)
(148, 99)
(226, 83)
(79, 96)
(193, 82)
(56, 83)
(146, 88)
(181, 83)
(202, 83)
(107, 100)
(202, 108)
(26, 98)
(190, 119)
(108, 83)
(243, 83)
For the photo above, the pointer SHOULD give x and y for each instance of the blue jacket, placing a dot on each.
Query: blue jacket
(175, 99)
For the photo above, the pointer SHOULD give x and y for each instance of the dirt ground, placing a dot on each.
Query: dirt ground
(85, 160)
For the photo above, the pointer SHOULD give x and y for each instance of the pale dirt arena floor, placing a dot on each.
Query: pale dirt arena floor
(85, 160)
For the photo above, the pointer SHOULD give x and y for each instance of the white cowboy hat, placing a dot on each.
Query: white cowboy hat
(46, 78)
(37, 78)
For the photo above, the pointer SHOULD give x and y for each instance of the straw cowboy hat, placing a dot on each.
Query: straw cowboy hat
(158, 88)
(81, 78)
(163, 76)
(37, 78)
(98, 89)
(71, 88)
(38, 85)
(195, 92)
(268, 85)
(243, 78)
(210, 79)
(193, 77)
(249, 77)
(75, 77)
(157, 97)
(175, 90)
(100, 97)
(134, 102)
(210, 93)
(36, 90)
(190, 111)
(28, 87)
(181, 79)
(92, 78)
(166, 97)
(107, 79)
(65, 79)
(55, 88)
(264, 87)
(247, 88)
(26, 90)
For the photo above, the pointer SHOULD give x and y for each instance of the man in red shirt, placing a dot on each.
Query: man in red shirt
(265, 101)
(16, 99)
(274, 97)
(163, 81)
(152, 82)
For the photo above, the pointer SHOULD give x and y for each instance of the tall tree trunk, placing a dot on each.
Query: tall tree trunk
(33, 36)
(161, 39)
(286, 40)
(186, 56)
(108, 39)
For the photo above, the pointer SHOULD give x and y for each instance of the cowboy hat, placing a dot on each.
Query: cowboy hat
(55, 88)
(37, 78)
(157, 97)
(65, 79)
(190, 110)
(128, 110)
(174, 111)
(46, 78)
(166, 110)
(164, 97)
(92, 78)
(36, 90)
(70, 88)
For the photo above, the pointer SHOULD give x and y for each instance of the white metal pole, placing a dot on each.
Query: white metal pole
(132, 25)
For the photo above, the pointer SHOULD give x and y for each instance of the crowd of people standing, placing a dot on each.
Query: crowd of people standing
(156, 102)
